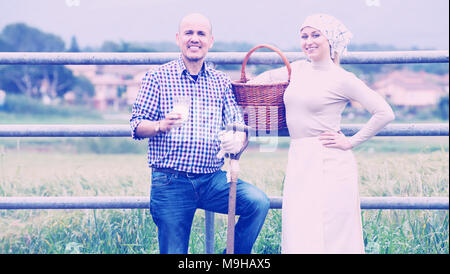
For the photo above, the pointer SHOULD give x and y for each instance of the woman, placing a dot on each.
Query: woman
(321, 207)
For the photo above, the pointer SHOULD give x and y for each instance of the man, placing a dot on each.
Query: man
(183, 152)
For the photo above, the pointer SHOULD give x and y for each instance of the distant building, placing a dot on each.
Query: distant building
(116, 86)
(410, 88)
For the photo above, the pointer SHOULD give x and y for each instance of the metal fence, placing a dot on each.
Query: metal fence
(33, 58)
(156, 58)
(133, 202)
(436, 129)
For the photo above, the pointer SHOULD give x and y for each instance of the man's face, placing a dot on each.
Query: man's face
(194, 38)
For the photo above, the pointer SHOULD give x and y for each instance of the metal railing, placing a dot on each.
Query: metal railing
(56, 58)
(436, 129)
(156, 58)
(135, 202)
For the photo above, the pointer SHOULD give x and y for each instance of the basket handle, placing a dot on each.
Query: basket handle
(286, 62)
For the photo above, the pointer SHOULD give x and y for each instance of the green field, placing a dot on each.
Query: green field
(401, 166)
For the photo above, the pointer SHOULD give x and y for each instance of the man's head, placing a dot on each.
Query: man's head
(194, 37)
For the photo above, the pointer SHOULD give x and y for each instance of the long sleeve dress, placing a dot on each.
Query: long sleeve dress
(321, 207)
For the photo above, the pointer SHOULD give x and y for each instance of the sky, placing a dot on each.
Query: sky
(423, 24)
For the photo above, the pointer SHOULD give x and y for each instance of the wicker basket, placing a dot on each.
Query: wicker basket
(262, 104)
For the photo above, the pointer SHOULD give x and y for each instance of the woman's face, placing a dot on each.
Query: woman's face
(314, 44)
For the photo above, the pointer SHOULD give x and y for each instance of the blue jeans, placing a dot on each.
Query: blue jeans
(175, 198)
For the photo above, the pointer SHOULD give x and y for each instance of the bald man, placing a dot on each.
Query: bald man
(186, 174)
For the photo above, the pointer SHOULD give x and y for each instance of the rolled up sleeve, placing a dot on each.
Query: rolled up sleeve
(231, 111)
(146, 105)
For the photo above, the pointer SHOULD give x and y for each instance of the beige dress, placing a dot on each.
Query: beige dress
(321, 207)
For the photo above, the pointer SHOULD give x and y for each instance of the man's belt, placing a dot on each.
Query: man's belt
(177, 172)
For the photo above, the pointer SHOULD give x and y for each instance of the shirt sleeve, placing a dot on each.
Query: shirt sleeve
(146, 106)
(382, 113)
(231, 111)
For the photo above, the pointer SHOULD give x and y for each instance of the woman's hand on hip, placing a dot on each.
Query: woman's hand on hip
(335, 140)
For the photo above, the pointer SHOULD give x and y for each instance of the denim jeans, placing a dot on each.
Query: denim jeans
(175, 198)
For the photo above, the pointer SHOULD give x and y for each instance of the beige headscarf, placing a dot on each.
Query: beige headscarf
(337, 34)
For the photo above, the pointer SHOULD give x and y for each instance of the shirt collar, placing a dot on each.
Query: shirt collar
(206, 68)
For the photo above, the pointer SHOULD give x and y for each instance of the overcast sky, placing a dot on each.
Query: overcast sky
(401, 23)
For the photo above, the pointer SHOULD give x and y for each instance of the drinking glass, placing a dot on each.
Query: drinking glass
(181, 105)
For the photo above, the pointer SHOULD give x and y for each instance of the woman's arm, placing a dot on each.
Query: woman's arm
(382, 113)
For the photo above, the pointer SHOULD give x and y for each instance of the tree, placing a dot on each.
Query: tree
(58, 81)
(4, 46)
(32, 80)
(443, 107)
(74, 45)
(110, 46)
(36, 81)
(24, 38)
(21, 79)
(83, 88)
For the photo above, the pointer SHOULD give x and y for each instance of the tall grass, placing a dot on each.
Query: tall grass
(26, 173)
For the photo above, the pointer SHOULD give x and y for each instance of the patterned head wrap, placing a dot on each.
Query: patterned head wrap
(337, 34)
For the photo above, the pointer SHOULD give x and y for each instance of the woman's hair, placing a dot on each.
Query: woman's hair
(336, 59)
(337, 34)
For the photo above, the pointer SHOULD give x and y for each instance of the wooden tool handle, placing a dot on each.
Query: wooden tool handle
(234, 170)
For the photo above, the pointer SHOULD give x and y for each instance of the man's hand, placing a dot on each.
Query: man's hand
(172, 120)
(231, 142)
(148, 129)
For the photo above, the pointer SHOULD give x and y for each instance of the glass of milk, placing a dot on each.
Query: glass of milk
(181, 105)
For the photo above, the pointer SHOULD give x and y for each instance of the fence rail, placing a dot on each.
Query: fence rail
(156, 58)
(437, 129)
(143, 202)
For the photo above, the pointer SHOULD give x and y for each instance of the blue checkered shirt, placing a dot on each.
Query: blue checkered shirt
(194, 146)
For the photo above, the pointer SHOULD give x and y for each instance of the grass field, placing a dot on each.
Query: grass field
(388, 167)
